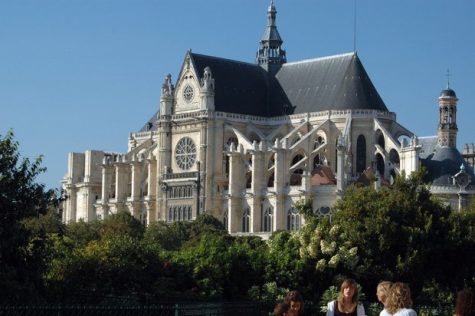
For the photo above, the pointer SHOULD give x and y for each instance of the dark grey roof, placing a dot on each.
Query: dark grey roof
(444, 164)
(239, 87)
(428, 146)
(331, 83)
(448, 93)
(151, 124)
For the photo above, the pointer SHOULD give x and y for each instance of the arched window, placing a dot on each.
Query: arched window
(170, 214)
(360, 154)
(189, 213)
(380, 164)
(248, 180)
(293, 220)
(323, 211)
(380, 138)
(296, 176)
(270, 181)
(267, 219)
(245, 220)
(394, 156)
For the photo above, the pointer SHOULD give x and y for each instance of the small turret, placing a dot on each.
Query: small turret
(270, 55)
(166, 99)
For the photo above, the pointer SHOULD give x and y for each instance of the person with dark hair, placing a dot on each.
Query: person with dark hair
(347, 301)
(382, 292)
(399, 302)
(281, 309)
(465, 305)
(295, 301)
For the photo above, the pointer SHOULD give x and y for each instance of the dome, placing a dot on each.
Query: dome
(448, 93)
(444, 164)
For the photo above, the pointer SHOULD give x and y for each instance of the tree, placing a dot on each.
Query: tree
(397, 230)
(20, 197)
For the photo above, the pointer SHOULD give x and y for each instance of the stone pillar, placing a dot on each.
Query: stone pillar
(152, 189)
(280, 184)
(236, 171)
(106, 186)
(340, 160)
(258, 178)
(205, 181)
(120, 184)
(136, 180)
(70, 215)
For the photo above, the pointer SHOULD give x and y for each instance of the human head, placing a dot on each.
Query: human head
(295, 301)
(348, 290)
(382, 291)
(399, 297)
(465, 305)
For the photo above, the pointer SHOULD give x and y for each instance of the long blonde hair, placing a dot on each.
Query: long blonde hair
(383, 288)
(399, 297)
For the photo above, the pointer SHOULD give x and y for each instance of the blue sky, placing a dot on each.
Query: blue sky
(83, 74)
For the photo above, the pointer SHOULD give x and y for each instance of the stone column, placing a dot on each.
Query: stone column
(70, 215)
(136, 179)
(340, 160)
(152, 189)
(258, 178)
(280, 184)
(236, 171)
(106, 186)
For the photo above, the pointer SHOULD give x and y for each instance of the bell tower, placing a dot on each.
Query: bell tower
(447, 130)
(270, 55)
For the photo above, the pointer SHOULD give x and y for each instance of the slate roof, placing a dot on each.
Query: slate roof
(239, 87)
(332, 83)
(429, 145)
(443, 164)
(337, 82)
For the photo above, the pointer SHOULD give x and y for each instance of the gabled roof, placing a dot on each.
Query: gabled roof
(332, 83)
(239, 87)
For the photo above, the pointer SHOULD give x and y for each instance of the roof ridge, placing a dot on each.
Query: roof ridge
(321, 58)
(225, 59)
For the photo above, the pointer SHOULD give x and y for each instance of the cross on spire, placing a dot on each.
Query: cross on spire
(448, 78)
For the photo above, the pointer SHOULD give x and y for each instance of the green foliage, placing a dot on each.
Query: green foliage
(20, 197)
(395, 230)
(122, 223)
(81, 233)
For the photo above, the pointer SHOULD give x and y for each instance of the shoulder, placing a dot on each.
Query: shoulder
(331, 305)
(360, 310)
(406, 312)
(384, 312)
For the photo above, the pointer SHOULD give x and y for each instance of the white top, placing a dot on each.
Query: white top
(384, 312)
(359, 309)
(405, 312)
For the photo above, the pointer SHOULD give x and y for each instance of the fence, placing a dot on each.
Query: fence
(185, 309)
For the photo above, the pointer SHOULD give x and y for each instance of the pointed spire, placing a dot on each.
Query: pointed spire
(270, 54)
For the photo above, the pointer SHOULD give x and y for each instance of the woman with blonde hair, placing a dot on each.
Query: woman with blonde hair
(382, 292)
(347, 301)
(399, 301)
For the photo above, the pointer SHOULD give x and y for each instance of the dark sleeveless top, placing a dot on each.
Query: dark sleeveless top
(338, 313)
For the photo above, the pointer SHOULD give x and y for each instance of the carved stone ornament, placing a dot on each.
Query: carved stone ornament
(167, 87)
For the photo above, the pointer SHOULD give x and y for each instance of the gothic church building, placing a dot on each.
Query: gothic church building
(244, 142)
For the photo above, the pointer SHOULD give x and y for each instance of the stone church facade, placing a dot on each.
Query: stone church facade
(244, 142)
